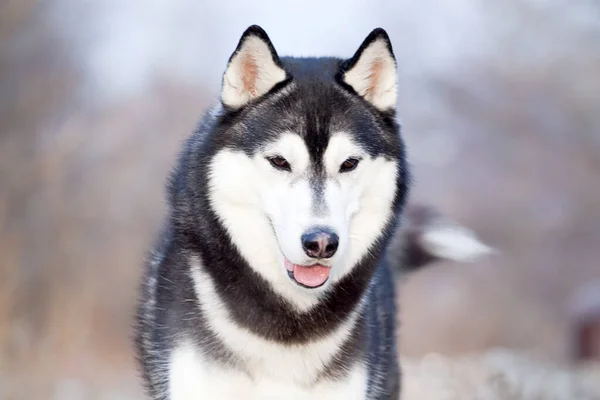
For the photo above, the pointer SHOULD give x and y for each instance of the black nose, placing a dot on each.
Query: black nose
(320, 242)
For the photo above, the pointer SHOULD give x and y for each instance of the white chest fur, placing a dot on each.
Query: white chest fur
(194, 378)
(272, 370)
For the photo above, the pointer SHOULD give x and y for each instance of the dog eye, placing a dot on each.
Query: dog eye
(349, 165)
(280, 163)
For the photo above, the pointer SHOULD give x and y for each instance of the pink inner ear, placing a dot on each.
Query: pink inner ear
(374, 76)
(249, 72)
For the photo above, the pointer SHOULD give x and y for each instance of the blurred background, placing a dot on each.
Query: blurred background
(500, 106)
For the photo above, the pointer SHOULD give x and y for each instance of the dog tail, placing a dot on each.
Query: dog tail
(426, 236)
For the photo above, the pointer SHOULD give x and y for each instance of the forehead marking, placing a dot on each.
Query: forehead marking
(319, 205)
(339, 147)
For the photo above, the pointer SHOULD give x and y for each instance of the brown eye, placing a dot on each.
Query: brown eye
(280, 163)
(349, 165)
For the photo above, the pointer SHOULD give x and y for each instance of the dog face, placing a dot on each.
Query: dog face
(311, 171)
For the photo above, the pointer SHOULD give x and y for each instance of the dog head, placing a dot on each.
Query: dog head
(307, 172)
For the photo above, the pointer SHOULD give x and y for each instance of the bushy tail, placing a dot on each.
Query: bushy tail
(425, 236)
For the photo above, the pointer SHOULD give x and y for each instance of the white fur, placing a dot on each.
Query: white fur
(238, 187)
(254, 51)
(273, 370)
(454, 243)
(266, 211)
(374, 75)
(192, 377)
(369, 192)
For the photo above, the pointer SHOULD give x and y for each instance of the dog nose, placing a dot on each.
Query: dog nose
(320, 242)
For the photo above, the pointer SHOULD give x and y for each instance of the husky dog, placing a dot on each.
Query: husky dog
(269, 279)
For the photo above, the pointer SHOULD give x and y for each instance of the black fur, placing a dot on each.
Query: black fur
(311, 102)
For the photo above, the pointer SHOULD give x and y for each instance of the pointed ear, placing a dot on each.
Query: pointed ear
(253, 69)
(371, 72)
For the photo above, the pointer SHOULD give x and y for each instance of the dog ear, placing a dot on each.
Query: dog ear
(371, 72)
(253, 69)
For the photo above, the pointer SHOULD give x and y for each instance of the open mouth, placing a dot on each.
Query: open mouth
(308, 276)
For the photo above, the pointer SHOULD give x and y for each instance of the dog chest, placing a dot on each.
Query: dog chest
(191, 376)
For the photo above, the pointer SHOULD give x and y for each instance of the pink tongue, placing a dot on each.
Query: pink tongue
(312, 276)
